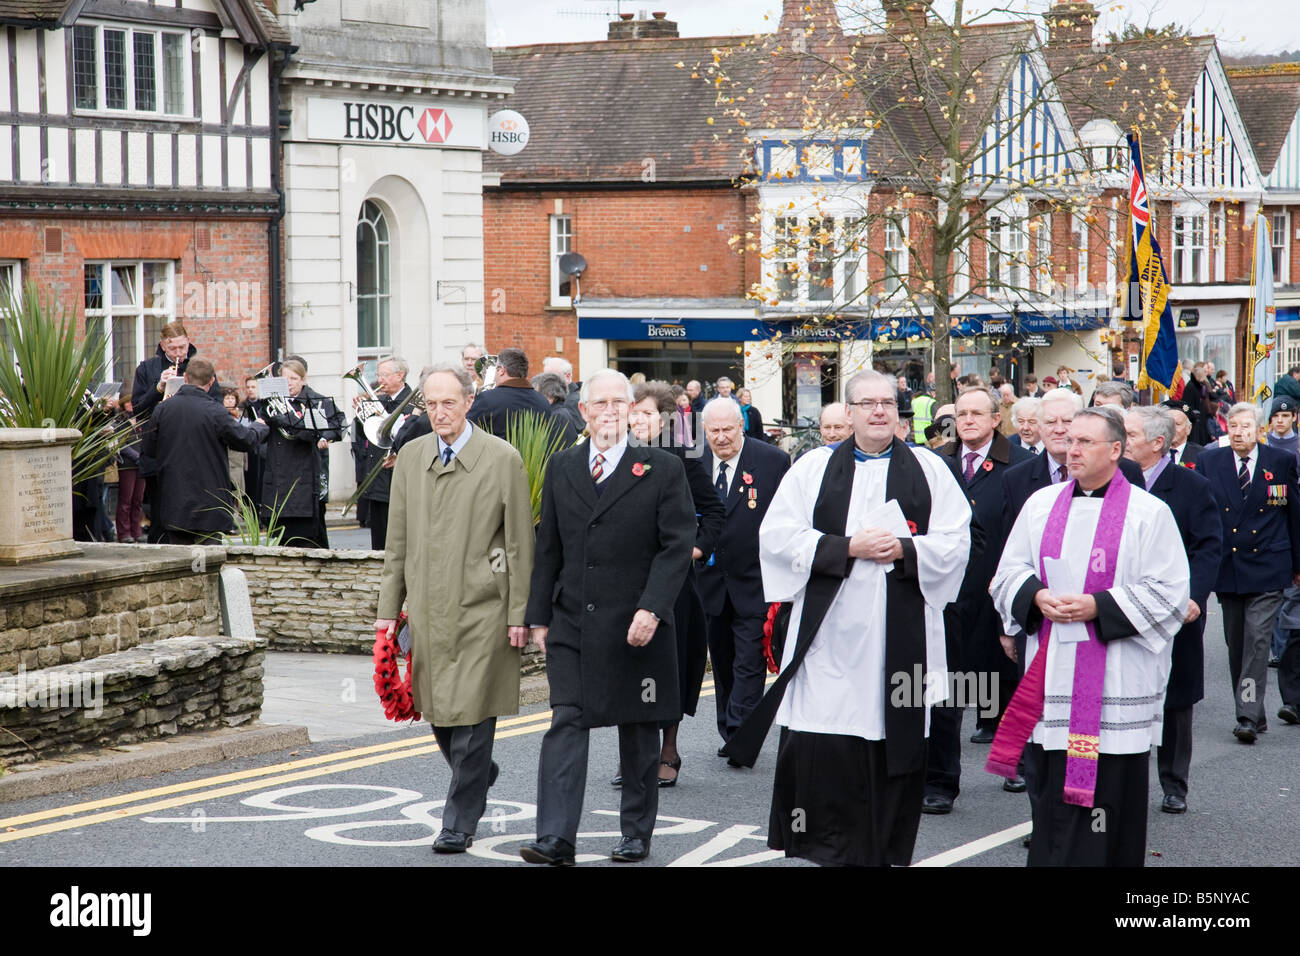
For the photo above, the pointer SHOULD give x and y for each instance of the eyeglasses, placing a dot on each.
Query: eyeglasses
(870, 404)
(604, 403)
(1086, 443)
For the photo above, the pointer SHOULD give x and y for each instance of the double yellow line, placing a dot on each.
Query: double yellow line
(122, 806)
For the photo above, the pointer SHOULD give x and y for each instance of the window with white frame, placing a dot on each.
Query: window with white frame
(1041, 228)
(561, 244)
(374, 283)
(1016, 245)
(895, 249)
(131, 69)
(11, 281)
(1189, 260)
(1220, 239)
(855, 261)
(993, 253)
(128, 303)
(1079, 238)
(821, 260)
(1277, 236)
(785, 258)
(961, 260)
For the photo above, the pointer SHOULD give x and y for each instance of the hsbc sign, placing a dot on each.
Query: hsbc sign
(408, 123)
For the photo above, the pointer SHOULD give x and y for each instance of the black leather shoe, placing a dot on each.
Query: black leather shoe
(1245, 731)
(452, 841)
(721, 753)
(1173, 804)
(1288, 713)
(735, 765)
(983, 735)
(936, 803)
(631, 850)
(1014, 784)
(549, 849)
(616, 780)
(1274, 661)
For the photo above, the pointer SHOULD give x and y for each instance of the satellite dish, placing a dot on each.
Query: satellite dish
(572, 264)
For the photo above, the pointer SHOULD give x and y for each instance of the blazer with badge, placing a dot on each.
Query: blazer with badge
(976, 618)
(1191, 500)
(599, 559)
(734, 571)
(1261, 531)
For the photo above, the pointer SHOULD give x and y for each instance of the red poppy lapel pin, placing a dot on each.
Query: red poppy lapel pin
(911, 526)
(988, 466)
(1188, 464)
(746, 477)
(1268, 476)
(639, 468)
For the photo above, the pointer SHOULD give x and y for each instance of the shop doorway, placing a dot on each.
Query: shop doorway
(809, 382)
(679, 362)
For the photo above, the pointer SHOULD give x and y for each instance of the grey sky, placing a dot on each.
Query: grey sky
(1242, 26)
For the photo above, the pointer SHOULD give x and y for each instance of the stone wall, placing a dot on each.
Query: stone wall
(306, 599)
(111, 598)
(153, 690)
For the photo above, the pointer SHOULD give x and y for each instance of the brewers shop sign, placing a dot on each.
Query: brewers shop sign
(409, 122)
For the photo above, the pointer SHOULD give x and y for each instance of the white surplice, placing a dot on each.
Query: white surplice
(1150, 588)
(840, 689)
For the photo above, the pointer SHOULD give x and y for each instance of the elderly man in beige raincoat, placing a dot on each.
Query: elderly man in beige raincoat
(460, 552)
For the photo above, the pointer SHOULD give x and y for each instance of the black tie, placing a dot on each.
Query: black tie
(1243, 477)
(722, 480)
(446, 456)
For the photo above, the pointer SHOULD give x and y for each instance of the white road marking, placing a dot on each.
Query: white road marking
(976, 847)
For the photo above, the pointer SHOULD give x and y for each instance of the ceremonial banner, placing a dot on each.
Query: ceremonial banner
(1261, 364)
(1148, 286)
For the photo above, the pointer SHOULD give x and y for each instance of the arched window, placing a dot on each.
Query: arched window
(374, 290)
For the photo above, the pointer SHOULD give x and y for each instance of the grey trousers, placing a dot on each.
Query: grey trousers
(1174, 754)
(562, 776)
(1248, 630)
(468, 750)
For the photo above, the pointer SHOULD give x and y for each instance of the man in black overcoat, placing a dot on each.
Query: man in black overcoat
(1191, 499)
(979, 460)
(746, 474)
(187, 440)
(393, 391)
(512, 394)
(613, 549)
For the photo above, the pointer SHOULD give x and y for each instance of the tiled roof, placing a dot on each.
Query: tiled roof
(49, 12)
(29, 10)
(1144, 83)
(1268, 100)
(618, 111)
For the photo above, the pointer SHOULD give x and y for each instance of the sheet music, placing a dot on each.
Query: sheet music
(271, 387)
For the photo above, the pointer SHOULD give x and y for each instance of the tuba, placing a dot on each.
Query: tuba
(370, 413)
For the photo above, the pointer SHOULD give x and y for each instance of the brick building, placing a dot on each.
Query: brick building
(138, 180)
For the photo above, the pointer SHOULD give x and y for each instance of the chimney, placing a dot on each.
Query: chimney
(1070, 23)
(642, 27)
(906, 16)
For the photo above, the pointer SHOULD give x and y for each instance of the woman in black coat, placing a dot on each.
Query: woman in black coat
(294, 476)
(1196, 394)
(654, 406)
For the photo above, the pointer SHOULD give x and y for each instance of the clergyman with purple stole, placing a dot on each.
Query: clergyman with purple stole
(1090, 575)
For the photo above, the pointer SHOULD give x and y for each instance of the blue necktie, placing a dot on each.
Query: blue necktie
(447, 454)
(722, 481)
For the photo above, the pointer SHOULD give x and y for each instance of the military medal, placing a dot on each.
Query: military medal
(753, 495)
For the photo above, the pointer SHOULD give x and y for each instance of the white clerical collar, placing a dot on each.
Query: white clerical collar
(611, 457)
(457, 445)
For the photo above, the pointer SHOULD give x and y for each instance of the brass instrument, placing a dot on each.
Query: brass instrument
(275, 405)
(485, 367)
(370, 413)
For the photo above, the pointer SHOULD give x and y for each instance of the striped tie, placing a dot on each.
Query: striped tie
(1243, 477)
(597, 468)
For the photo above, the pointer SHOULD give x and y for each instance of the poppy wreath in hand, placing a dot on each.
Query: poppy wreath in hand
(393, 689)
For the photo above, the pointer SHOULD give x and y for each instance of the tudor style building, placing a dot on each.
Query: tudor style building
(139, 171)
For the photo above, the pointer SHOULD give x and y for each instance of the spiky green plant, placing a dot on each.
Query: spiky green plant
(244, 515)
(51, 372)
(536, 438)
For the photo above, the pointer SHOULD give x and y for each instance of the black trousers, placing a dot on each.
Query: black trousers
(1288, 670)
(562, 776)
(378, 525)
(739, 669)
(1113, 832)
(943, 752)
(468, 750)
(306, 532)
(1174, 755)
(834, 803)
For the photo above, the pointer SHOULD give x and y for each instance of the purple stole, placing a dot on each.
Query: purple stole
(1083, 747)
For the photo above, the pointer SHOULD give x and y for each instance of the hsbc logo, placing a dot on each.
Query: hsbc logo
(387, 123)
(435, 125)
